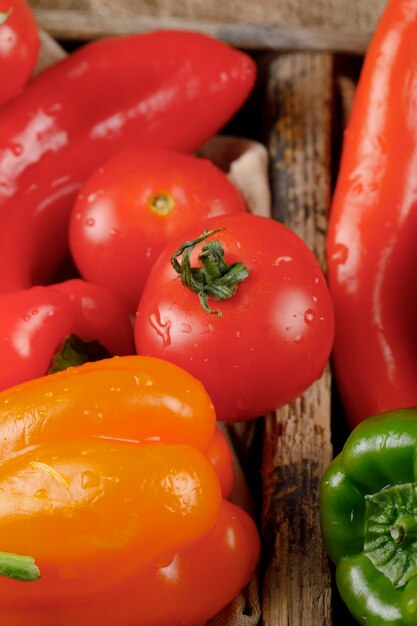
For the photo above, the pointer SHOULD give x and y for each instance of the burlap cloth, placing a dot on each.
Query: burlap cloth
(246, 163)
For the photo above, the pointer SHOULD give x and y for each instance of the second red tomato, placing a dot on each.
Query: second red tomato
(131, 206)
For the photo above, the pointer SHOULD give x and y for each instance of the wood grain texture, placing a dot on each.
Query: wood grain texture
(354, 15)
(297, 439)
(78, 25)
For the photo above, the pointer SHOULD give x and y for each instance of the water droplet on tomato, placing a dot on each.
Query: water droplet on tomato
(282, 259)
(309, 317)
(90, 222)
(298, 339)
(55, 107)
(161, 328)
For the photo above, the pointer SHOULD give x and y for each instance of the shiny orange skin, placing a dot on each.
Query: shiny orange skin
(102, 400)
(194, 585)
(104, 477)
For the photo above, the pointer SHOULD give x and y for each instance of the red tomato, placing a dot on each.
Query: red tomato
(275, 334)
(132, 205)
(19, 46)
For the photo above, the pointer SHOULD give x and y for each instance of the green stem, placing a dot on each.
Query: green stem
(18, 567)
(404, 531)
(214, 278)
(4, 16)
(74, 351)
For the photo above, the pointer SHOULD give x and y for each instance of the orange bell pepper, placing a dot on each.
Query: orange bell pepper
(107, 482)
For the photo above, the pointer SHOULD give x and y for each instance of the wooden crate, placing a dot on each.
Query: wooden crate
(308, 63)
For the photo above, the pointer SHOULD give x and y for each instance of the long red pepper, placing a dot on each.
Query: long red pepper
(372, 238)
(168, 89)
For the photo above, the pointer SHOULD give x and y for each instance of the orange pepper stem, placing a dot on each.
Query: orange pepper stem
(214, 279)
(74, 351)
(18, 567)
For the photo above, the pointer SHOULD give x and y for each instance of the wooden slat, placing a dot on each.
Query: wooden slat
(297, 440)
(353, 15)
(78, 25)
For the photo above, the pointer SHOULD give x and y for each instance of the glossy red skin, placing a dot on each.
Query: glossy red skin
(169, 89)
(19, 47)
(372, 260)
(276, 332)
(35, 322)
(115, 233)
(194, 585)
(220, 455)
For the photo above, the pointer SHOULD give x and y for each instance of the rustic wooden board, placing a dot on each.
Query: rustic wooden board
(352, 15)
(297, 438)
(79, 25)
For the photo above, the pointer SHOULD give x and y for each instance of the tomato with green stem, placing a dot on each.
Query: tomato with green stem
(250, 315)
(132, 205)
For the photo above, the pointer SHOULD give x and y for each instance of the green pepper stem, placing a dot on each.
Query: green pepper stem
(74, 351)
(214, 278)
(18, 567)
(404, 531)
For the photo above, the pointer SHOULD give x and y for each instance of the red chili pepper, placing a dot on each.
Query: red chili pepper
(373, 227)
(36, 322)
(167, 89)
(19, 47)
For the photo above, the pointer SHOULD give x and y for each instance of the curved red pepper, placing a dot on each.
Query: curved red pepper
(35, 322)
(169, 89)
(373, 227)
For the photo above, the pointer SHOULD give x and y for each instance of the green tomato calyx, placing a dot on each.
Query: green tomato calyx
(214, 278)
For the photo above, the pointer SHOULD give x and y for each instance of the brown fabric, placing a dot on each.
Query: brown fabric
(246, 163)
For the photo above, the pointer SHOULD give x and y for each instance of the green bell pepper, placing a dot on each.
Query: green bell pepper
(368, 516)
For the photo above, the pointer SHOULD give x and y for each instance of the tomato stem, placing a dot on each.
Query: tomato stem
(18, 567)
(5, 16)
(74, 351)
(215, 278)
